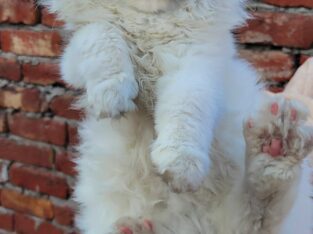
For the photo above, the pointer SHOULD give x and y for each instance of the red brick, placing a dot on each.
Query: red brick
(64, 215)
(49, 19)
(73, 135)
(18, 11)
(42, 73)
(31, 100)
(27, 225)
(19, 98)
(24, 224)
(64, 163)
(22, 42)
(3, 122)
(39, 180)
(272, 65)
(63, 106)
(291, 3)
(26, 204)
(10, 69)
(48, 228)
(46, 130)
(6, 221)
(280, 29)
(26, 153)
(303, 58)
(10, 98)
(74, 232)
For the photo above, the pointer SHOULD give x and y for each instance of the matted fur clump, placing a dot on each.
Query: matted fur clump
(198, 147)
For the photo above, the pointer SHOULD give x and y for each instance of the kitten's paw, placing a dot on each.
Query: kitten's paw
(277, 139)
(129, 225)
(183, 171)
(112, 97)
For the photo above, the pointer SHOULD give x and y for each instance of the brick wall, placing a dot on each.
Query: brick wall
(38, 127)
(278, 39)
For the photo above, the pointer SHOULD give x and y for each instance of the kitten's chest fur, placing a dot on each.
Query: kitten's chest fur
(146, 38)
(153, 37)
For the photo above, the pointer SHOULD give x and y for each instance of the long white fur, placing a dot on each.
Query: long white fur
(177, 58)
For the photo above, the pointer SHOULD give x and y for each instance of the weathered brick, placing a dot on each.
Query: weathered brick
(272, 65)
(26, 153)
(24, 224)
(64, 162)
(63, 106)
(39, 180)
(290, 3)
(42, 73)
(303, 58)
(26, 204)
(31, 100)
(48, 228)
(10, 99)
(46, 130)
(64, 215)
(27, 225)
(6, 220)
(23, 42)
(18, 11)
(280, 29)
(20, 98)
(10, 69)
(74, 232)
(49, 19)
(3, 122)
(73, 136)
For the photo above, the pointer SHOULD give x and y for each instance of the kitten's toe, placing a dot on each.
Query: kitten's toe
(128, 225)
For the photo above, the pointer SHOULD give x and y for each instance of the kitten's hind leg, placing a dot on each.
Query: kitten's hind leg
(277, 139)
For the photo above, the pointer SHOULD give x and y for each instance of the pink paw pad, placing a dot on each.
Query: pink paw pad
(274, 148)
(126, 230)
(274, 108)
(148, 225)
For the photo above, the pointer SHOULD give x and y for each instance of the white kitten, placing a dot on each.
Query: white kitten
(177, 61)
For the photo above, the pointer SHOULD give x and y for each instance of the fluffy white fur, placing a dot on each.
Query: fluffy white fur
(175, 60)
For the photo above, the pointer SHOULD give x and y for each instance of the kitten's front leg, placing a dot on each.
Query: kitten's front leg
(188, 105)
(97, 59)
